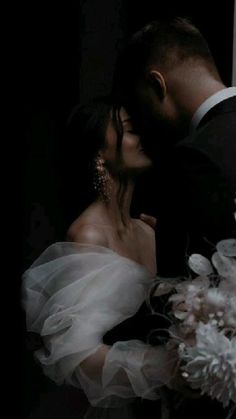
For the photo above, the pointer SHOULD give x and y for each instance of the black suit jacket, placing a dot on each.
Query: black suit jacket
(196, 201)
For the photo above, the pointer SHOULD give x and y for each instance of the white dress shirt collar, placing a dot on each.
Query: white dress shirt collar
(209, 103)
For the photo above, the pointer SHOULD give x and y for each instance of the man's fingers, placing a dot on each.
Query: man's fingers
(149, 219)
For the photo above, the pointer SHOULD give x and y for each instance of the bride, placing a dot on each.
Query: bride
(78, 290)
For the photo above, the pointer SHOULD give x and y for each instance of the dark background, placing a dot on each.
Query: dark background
(67, 54)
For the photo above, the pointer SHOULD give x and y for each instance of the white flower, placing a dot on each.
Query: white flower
(211, 364)
(187, 302)
(227, 247)
(199, 284)
(214, 300)
(224, 261)
(200, 265)
(204, 312)
(225, 266)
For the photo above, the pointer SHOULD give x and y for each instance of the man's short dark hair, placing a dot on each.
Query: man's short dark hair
(164, 43)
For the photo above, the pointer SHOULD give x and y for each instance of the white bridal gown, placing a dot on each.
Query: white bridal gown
(72, 295)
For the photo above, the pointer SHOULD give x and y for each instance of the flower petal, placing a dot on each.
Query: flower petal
(200, 264)
(225, 266)
(227, 247)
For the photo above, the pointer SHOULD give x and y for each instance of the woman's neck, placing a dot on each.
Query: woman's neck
(116, 212)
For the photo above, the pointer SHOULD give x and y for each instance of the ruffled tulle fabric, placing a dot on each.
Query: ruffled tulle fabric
(72, 295)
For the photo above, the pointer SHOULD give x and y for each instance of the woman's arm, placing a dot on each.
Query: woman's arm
(93, 365)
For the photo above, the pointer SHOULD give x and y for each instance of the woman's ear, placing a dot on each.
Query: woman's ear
(158, 83)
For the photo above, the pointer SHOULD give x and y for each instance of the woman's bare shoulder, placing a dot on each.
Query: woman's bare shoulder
(83, 230)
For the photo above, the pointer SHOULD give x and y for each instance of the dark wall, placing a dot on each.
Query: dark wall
(49, 67)
(50, 77)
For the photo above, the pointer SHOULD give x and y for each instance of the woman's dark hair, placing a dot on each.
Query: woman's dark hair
(84, 137)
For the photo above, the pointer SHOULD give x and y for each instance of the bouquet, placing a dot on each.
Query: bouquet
(203, 322)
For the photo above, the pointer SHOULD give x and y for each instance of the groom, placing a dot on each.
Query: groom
(167, 80)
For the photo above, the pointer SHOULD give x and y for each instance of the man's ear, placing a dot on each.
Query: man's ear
(158, 83)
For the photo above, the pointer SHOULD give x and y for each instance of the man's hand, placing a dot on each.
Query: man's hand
(149, 219)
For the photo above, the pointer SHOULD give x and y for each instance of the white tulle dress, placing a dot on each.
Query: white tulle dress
(72, 295)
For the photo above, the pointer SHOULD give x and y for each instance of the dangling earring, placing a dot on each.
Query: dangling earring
(102, 180)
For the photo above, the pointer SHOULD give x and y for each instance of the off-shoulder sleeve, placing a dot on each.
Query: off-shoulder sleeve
(72, 295)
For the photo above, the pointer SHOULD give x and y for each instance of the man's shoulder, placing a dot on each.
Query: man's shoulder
(212, 133)
(213, 142)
